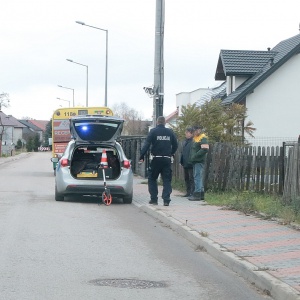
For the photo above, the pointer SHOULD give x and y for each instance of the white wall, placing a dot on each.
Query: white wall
(17, 135)
(11, 135)
(274, 107)
(186, 98)
(182, 99)
(7, 137)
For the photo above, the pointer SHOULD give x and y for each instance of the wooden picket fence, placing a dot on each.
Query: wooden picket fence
(291, 191)
(259, 169)
(270, 170)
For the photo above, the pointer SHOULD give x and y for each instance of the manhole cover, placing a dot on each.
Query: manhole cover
(129, 283)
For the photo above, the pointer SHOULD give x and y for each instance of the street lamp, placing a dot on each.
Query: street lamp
(64, 87)
(64, 100)
(82, 23)
(87, 79)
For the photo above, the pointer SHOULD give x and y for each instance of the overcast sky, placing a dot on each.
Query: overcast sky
(37, 36)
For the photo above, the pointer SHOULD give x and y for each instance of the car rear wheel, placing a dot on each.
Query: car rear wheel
(127, 199)
(58, 196)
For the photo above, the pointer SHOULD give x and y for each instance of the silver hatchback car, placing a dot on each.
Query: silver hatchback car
(80, 170)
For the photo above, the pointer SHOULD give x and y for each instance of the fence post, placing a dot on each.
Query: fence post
(282, 168)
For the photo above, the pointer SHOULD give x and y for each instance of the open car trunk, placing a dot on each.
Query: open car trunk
(85, 163)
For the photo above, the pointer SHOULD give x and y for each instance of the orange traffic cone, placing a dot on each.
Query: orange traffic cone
(103, 162)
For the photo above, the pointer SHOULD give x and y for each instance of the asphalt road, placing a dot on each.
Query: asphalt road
(78, 249)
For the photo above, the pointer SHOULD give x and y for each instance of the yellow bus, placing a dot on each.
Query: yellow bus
(61, 126)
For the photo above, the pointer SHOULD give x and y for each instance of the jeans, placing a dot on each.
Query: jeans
(198, 179)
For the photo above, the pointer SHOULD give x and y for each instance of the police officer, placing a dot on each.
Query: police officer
(163, 144)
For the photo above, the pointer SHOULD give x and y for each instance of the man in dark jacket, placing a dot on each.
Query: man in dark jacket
(187, 165)
(199, 150)
(163, 144)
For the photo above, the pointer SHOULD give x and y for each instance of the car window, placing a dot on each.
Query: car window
(95, 131)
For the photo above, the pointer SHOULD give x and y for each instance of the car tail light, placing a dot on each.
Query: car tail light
(126, 164)
(64, 162)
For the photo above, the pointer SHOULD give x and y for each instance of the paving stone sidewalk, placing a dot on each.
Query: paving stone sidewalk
(262, 251)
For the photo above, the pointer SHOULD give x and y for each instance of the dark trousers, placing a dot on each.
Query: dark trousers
(162, 166)
(189, 180)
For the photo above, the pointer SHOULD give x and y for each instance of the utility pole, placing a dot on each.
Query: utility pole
(158, 89)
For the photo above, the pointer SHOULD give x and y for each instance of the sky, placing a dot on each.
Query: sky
(38, 36)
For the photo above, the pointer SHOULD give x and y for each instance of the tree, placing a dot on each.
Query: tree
(48, 133)
(28, 136)
(133, 124)
(4, 101)
(29, 144)
(33, 143)
(19, 144)
(234, 125)
(221, 123)
(190, 116)
(36, 142)
(212, 118)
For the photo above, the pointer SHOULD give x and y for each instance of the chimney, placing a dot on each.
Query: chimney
(269, 48)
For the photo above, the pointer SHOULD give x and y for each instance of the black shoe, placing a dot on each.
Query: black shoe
(153, 202)
(196, 197)
(166, 202)
(202, 196)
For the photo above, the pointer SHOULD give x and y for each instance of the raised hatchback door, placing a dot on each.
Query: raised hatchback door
(96, 128)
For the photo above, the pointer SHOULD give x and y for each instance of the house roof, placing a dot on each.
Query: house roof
(284, 51)
(241, 62)
(8, 120)
(29, 125)
(171, 116)
(214, 93)
(40, 123)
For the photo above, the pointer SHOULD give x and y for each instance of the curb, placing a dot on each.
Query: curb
(261, 279)
(4, 160)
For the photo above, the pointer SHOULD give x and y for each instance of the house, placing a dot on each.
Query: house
(40, 124)
(185, 98)
(11, 130)
(267, 83)
(172, 117)
(31, 129)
